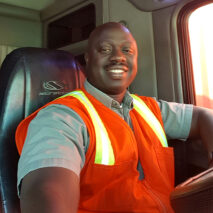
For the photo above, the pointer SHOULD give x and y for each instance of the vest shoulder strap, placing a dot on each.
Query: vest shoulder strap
(144, 111)
(104, 151)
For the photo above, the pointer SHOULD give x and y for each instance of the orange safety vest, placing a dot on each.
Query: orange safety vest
(115, 187)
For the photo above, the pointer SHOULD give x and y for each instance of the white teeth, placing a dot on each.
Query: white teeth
(117, 71)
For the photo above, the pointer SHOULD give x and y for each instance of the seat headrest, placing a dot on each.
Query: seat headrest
(44, 75)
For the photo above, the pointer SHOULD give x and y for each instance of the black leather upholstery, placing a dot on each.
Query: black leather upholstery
(29, 78)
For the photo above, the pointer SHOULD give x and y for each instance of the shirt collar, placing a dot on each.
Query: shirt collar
(107, 100)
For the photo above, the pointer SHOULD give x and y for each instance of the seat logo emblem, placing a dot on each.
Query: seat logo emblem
(53, 85)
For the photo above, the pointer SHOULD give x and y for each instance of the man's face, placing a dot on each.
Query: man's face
(112, 60)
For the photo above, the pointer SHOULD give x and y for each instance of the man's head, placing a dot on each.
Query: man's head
(111, 58)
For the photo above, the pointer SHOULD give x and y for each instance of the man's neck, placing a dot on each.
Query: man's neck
(101, 96)
(118, 97)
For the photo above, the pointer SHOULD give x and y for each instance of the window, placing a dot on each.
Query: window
(201, 42)
(195, 35)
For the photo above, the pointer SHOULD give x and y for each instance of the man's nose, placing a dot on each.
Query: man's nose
(118, 55)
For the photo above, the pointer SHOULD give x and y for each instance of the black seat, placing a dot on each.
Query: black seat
(29, 78)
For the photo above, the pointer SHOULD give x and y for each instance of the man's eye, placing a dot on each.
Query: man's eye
(105, 50)
(127, 50)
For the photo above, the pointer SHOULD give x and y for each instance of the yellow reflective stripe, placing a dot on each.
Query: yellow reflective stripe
(104, 151)
(150, 118)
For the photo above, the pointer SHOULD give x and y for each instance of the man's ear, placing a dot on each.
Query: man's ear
(86, 57)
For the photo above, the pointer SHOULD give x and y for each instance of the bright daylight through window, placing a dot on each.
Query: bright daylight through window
(201, 41)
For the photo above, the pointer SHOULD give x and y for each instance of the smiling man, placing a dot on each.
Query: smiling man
(101, 149)
(111, 60)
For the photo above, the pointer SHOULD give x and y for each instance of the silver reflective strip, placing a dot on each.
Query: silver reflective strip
(150, 118)
(104, 151)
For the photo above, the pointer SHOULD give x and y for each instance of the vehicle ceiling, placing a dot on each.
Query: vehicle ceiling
(145, 5)
(150, 5)
(30, 4)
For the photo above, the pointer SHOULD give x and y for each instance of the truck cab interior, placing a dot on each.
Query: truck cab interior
(42, 57)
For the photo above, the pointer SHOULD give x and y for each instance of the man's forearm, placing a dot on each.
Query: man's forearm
(202, 128)
(50, 190)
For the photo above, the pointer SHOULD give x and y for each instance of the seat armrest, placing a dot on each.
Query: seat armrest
(195, 194)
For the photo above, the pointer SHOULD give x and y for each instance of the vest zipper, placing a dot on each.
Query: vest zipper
(156, 198)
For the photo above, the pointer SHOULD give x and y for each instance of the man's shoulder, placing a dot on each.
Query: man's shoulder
(149, 100)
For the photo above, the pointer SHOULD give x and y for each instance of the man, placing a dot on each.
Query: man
(94, 150)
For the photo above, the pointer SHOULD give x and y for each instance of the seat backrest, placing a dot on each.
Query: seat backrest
(29, 78)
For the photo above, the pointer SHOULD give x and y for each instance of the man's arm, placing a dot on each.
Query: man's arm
(50, 190)
(202, 128)
(51, 161)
